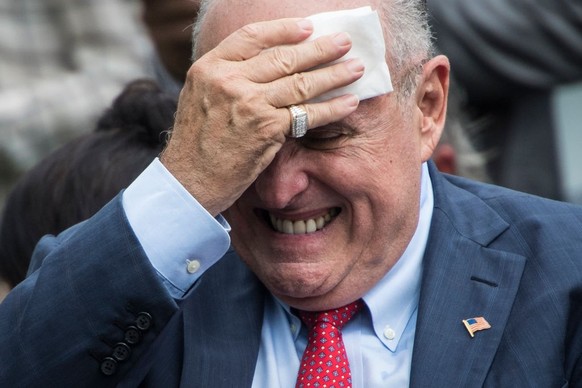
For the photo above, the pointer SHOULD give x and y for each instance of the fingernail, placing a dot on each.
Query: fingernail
(356, 65)
(342, 38)
(351, 100)
(305, 24)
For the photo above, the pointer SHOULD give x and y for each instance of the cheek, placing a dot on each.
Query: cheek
(384, 193)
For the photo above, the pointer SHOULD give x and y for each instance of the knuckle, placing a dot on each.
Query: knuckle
(320, 50)
(250, 32)
(250, 111)
(231, 82)
(203, 70)
(217, 78)
(248, 106)
(195, 70)
(285, 60)
(268, 128)
(302, 86)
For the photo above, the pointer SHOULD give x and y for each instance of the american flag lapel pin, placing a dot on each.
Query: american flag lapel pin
(476, 324)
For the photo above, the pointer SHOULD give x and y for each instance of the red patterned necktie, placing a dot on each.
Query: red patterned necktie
(324, 363)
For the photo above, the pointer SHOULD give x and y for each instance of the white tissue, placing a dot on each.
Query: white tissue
(363, 26)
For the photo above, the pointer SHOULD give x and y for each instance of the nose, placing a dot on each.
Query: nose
(283, 181)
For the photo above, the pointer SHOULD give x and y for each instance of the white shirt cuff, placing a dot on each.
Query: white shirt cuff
(181, 239)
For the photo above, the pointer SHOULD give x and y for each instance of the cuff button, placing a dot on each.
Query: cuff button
(132, 335)
(143, 321)
(108, 366)
(121, 351)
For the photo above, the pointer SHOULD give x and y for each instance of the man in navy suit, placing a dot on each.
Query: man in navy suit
(148, 292)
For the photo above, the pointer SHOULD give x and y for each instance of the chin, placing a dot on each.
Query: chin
(298, 281)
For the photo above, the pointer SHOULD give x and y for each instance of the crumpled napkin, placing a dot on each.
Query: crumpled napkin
(365, 29)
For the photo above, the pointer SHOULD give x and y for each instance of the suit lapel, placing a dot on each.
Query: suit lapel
(463, 277)
(221, 348)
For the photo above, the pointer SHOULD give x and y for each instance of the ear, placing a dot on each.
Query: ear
(431, 99)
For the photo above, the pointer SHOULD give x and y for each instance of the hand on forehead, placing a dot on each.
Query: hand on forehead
(362, 24)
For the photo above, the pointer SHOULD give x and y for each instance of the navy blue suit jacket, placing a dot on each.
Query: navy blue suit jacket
(96, 305)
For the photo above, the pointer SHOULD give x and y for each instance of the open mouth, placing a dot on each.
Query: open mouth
(309, 225)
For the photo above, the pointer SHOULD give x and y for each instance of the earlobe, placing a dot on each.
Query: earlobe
(432, 102)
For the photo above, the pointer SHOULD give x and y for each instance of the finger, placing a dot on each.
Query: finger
(252, 39)
(323, 113)
(289, 59)
(301, 87)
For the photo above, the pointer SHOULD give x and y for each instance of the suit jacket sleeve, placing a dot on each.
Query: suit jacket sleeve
(88, 313)
(500, 48)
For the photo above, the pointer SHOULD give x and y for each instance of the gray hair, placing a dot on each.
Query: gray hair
(406, 28)
(408, 32)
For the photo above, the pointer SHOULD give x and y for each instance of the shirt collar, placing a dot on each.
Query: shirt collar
(393, 301)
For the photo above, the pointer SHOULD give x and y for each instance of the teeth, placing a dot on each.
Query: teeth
(310, 226)
(302, 226)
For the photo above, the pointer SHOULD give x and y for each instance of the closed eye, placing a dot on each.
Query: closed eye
(326, 138)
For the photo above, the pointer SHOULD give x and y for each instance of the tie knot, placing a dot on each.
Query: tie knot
(336, 317)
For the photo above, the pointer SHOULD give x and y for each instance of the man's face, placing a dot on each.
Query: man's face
(335, 210)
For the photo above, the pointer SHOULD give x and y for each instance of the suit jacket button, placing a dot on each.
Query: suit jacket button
(108, 366)
(143, 321)
(132, 335)
(121, 351)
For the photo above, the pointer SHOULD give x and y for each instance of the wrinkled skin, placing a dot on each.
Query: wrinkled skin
(360, 162)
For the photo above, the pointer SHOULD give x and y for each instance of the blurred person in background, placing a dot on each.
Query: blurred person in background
(80, 177)
(516, 61)
(169, 24)
(455, 153)
(62, 63)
